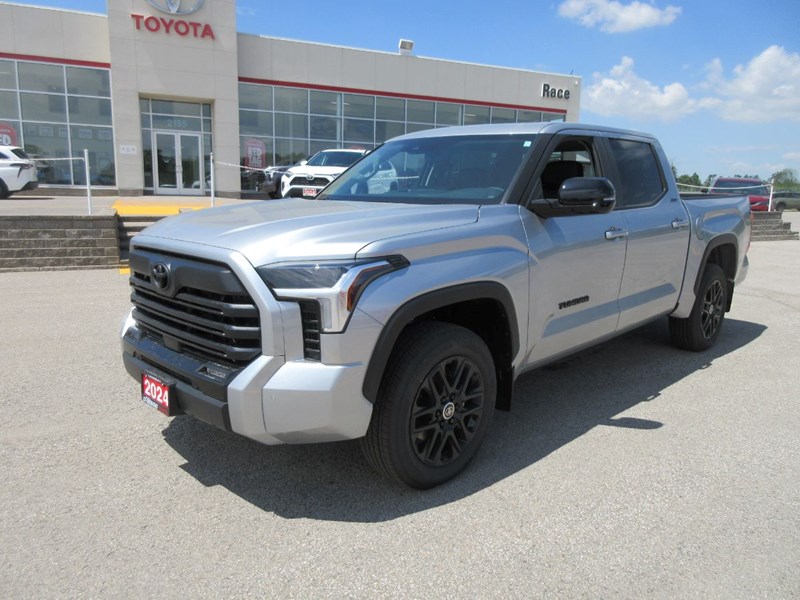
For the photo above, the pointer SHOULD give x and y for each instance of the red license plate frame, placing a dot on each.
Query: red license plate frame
(159, 393)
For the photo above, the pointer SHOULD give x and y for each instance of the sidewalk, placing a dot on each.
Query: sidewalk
(45, 204)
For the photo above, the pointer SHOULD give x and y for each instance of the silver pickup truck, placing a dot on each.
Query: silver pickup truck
(400, 305)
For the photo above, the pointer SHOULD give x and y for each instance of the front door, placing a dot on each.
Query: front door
(178, 169)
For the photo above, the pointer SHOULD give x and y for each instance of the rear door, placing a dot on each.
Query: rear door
(656, 225)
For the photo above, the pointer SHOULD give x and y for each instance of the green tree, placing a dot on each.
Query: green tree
(785, 179)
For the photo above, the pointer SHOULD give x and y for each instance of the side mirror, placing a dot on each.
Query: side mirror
(303, 162)
(578, 196)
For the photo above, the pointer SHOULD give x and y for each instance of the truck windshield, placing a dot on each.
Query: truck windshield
(437, 170)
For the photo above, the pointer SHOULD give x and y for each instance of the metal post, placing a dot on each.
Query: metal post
(88, 178)
(771, 189)
(213, 183)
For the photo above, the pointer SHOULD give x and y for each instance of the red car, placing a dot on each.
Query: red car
(754, 189)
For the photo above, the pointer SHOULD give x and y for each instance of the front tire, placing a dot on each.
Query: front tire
(4, 193)
(434, 406)
(780, 206)
(700, 330)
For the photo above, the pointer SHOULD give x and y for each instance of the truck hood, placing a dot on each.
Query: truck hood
(294, 229)
(314, 171)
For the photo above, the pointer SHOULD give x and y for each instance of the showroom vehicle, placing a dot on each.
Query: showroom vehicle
(271, 184)
(400, 305)
(17, 171)
(755, 189)
(306, 181)
(786, 199)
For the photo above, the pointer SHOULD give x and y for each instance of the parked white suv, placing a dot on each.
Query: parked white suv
(17, 171)
(306, 181)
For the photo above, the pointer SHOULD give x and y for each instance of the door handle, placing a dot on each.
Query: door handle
(679, 224)
(616, 233)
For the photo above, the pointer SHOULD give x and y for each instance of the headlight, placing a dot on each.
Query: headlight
(335, 285)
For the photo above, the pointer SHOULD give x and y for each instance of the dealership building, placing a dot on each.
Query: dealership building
(154, 87)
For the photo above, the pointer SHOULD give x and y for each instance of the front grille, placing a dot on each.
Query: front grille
(310, 316)
(203, 311)
(303, 181)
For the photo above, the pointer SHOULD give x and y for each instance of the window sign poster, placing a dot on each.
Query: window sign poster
(8, 135)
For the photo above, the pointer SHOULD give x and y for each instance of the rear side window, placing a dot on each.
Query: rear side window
(640, 180)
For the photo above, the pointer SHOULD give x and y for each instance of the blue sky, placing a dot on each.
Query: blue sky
(717, 82)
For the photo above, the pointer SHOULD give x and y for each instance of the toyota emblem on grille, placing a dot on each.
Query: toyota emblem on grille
(160, 273)
(310, 177)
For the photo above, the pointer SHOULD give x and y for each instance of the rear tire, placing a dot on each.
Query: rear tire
(434, 406)
(780, 206)
(700, 330)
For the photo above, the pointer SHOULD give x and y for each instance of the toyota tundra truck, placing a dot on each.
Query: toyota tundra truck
(401, 311)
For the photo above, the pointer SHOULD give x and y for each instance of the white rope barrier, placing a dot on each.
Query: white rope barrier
(87, 170)
(769, 185)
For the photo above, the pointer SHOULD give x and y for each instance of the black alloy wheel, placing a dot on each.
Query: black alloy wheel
(434, 406)
(700, 330)
(447, 410)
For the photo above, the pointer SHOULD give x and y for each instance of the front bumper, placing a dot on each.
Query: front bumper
(279, 397)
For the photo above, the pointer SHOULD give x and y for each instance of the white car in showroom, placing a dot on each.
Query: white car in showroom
(17, 171)
(306, 180)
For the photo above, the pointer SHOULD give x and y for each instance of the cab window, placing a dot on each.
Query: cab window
(571, 158)
(640, 182)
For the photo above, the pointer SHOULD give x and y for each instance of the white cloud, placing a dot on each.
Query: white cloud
(765, 89)
(792, 156)
(622, 92)
(615, 17)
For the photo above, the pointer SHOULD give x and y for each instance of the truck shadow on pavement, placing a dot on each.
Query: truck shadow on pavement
(552, 407)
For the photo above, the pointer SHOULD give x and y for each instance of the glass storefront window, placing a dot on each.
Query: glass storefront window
(44, 141)
(386, 130)
(43, 107)
(420, 111)
(8, 75)
(529, 116)
(8, 105)
(291, 100)
(255, 97)
(356, 105)
(448, 114)
(503, 115)
(259, 123)
(476, 115)
(325, 103)
(99, 142)
(36, 77)
(359, 130)
(290, 150)
(92, 111)
(295, 126)
(552, 117)
(172, 107)
(177, 123)
(414, 127)
(325, 128)
(317, 146)
(390, 109)
(88, 82)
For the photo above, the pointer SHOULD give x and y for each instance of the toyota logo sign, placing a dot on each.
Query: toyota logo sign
(160, 273)
(177, 7)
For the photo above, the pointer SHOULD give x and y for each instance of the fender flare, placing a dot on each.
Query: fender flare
(723, 239)
(426, 303)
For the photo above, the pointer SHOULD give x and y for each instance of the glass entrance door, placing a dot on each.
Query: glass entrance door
(178, 169)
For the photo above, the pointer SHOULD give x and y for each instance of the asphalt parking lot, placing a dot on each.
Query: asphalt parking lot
(633, 470)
